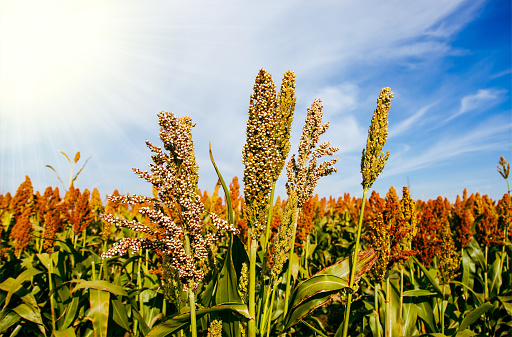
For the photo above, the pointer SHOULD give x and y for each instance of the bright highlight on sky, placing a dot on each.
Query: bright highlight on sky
(91, 76)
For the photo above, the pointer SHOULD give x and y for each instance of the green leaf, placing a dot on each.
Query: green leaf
(474, 315)
(227, 292)
(409, 317)
(99, 301)
(494, 276)
(29, 313)
(465, 333)
(224, 187)
(432, 280)
(476, 254)
(418, 292)
(70, 314)
(505, 301)
(69, 332)
(313, 292)
(177, 322)
(9, 320)
(101, 285)
(468, 270)
(120, 314)
(27, 274)
(424, 310)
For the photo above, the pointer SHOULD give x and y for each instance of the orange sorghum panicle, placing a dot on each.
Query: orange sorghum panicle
(23, 199)
(427, 242)
(81, 215)
(21, 231)
(504, 210)
(487, 231)
(51, 223)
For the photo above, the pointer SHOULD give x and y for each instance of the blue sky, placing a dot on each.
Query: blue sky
(91, 77)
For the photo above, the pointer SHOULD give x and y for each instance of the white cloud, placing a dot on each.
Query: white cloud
(482, 98)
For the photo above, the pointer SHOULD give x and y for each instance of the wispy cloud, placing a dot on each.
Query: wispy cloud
(482, 98)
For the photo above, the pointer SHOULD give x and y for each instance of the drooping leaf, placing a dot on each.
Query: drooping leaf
(177, 322)
(409, 317)
(101, 285)
(8, 320)
(494, 276)
(14, 286)
(429, 276)
(69, 332)
(476, 254)
(120, 315)
(29, 313)
(69, 315)
(418, 292)
(313, 292)
(99, 301)
(473, 315)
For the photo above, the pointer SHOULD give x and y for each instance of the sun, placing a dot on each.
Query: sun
(47, 46)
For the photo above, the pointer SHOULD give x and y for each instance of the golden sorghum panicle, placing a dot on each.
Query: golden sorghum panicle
(285, 109)
(406, 229)
(448, 259)
(373, 159)
(243, 282)
(302, 171)
(215, 329)
(267, 134)
(174, 177)
(378, 237)
(23, 199)
(96, 203)
(504, 170)
(281, 242)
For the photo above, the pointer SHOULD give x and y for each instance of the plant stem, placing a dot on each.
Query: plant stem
(388, 306)
(377, 308)
(442, 309)
(252, 286)
(354, 262)
(50, 271)
(192, 303)
(269, 217)
(289, 270)
(400, 310)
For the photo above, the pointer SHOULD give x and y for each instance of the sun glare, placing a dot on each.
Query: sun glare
(47, 46)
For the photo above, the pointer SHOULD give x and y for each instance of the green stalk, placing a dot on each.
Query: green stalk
(192, 303)
(354, 262)
(269, 217)
(442, 309)
(486, 291)
(377, 308)
(270, 311)
(400, 310)
(93, 266)
(252, 286)
(388, 307)
(84, 234)
(52, 308)
(289, 270)
(191, 297)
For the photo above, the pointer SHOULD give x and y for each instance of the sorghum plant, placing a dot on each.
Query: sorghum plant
(373, 161)
(185, 243)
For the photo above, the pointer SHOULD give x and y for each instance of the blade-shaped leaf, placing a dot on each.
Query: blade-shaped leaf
(432, 280)
(495, 276)
(9, 320)
(476, 254)
(120, 314)
(27, 274)
(99, 301)
(69, 332)
(418, 292)
(409, 317)
(474, 315)
(29, 313)
(70, 314)
(101, 285)
(177, 322)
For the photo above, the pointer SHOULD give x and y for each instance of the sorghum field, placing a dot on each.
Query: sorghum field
(236, 261)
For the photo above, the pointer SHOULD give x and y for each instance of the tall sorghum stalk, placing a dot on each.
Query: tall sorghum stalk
(303, 174)
(264, 153)
(372, 164)
(185, 242)
(504, 170)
